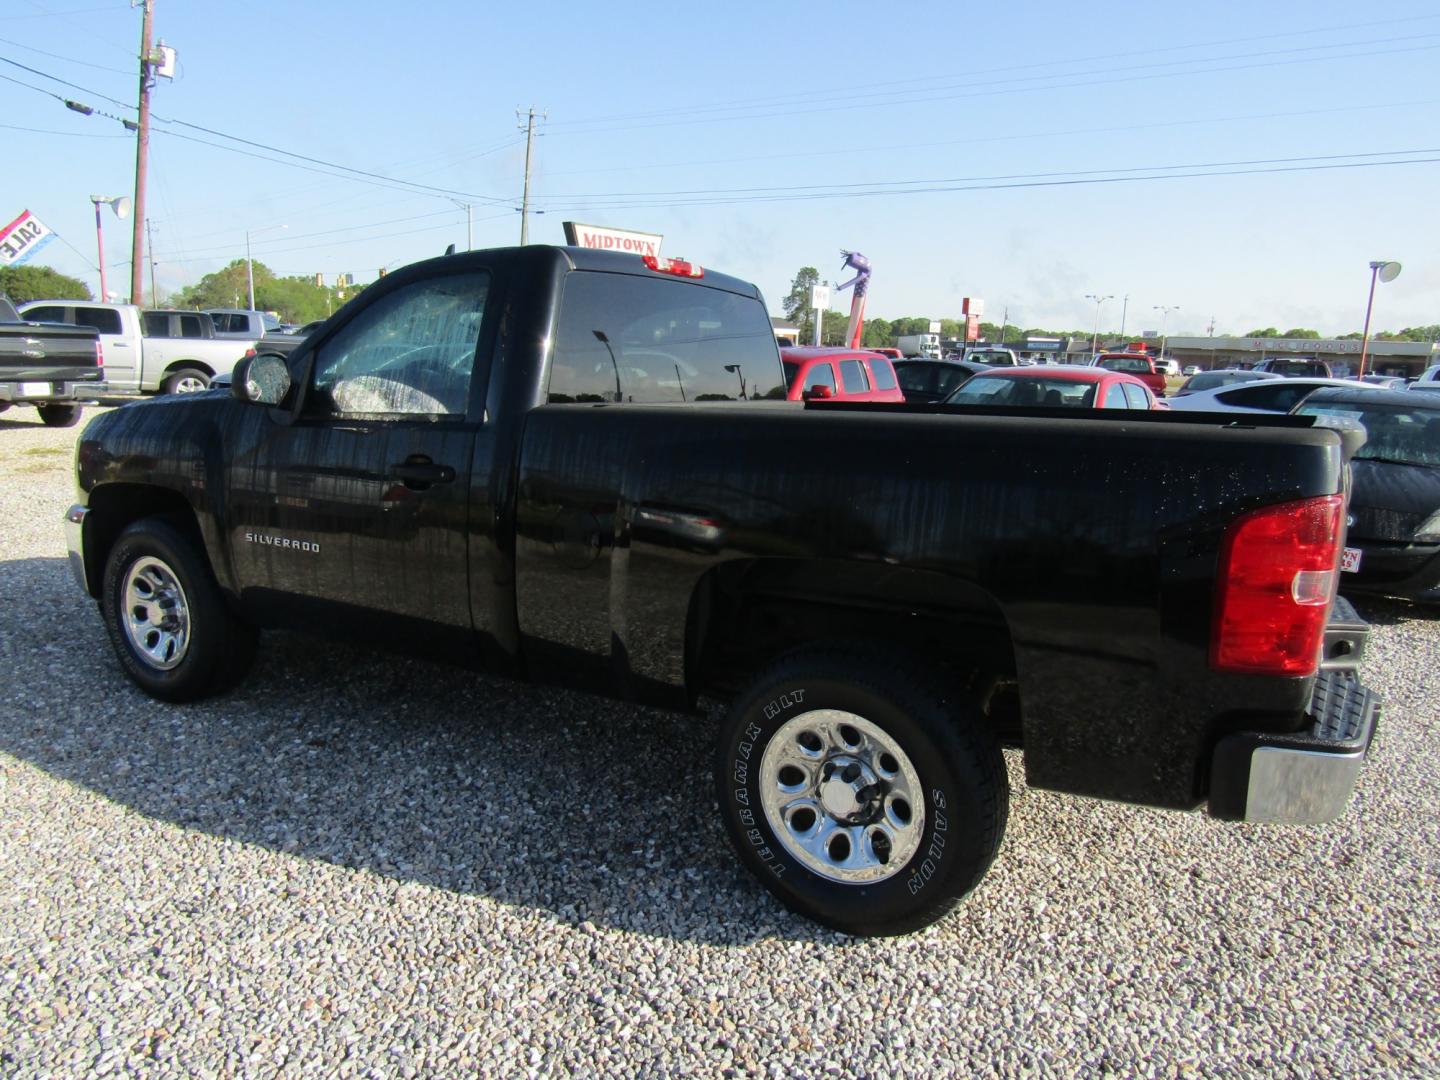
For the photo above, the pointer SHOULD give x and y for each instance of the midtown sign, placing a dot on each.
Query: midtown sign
(606, 239)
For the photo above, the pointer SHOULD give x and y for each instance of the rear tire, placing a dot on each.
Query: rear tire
(59, 415)
(860, 790)
(186, 381)
(167, 620)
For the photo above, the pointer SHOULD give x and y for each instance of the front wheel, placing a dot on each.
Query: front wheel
(186, 381)
(860, 791)
(59, 415)
(166, 618)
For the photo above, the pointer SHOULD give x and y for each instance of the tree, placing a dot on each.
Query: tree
(26, 283)
(1300, 332)
(877, 332)
(294, 299)
(797, 303)
(1268, 331)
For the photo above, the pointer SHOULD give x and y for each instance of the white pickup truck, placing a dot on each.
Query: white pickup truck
(137, 363)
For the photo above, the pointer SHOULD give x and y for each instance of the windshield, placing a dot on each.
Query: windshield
(1408, 436)
(1024, 393)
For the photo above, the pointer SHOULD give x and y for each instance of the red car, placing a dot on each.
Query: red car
(1137, 364)
(820, 373)
(1055, 386)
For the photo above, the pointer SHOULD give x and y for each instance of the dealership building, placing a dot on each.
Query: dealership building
(1407, 358)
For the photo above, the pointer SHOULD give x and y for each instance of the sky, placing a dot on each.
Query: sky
(1026, 154)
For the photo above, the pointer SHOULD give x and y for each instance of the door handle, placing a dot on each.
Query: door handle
(419, 472)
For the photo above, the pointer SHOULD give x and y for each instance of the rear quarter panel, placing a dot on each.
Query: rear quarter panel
(1097, 538)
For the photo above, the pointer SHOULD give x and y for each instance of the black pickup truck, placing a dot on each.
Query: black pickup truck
(578, 468)
(48, 365)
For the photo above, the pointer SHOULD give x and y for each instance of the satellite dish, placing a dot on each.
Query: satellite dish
(122, 211)
(1388, 271)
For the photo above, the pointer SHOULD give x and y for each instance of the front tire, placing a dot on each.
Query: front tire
(860, 791)
(166, 618)
(186, 381)
(59, 415)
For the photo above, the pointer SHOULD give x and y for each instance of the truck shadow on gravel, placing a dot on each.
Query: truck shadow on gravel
(584, 808)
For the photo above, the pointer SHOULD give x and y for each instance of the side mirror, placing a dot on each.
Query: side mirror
(262, 379)
(817, 393)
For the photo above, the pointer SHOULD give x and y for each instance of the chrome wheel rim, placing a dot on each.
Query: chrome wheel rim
(842, 797)
(157, 615)
(190, 384)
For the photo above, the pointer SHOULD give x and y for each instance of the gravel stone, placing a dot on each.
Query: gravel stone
(359, 865)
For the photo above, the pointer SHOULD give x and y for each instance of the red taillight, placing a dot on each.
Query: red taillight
(99, 355)
(678, 267)
(1278, 567)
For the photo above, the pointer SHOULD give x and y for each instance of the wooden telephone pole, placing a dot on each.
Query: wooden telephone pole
(142, 153)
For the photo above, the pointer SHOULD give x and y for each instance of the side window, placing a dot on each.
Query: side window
(883, 374)
(227, 324)
(190, 326)
(153, 324)
(1137, 396)
(409, 354)
(1278, 396)
(1115, 397)
(852, 375)
(49, 313)
(820, 374)
(106, 320)
(648, 340)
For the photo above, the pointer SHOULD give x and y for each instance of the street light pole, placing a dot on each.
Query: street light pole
(1095, 337)
(1164, 318)
(250, 263)
(121, 205)
(1384, 271)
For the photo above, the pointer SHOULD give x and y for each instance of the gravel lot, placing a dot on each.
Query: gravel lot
(375, 866)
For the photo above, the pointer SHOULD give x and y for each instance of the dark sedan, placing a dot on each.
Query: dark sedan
(929, 381)
(1393, 545)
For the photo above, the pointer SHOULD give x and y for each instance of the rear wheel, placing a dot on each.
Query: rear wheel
(861, 791)
(59, 415)
(166, 618)
(186, 381)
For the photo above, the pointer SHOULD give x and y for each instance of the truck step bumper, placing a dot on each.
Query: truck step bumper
(1303, 778)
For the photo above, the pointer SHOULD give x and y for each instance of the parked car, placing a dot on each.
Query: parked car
(1213, 380)
(1296, 367)
(1191, 369)
(242, 323)
(1393, 542)
(1140, 365)
(177, 323)
(1167, 367)
(137, 363)
(992, 355)
(1271, 395)
(883, 597)
(824, 373)
(929, 381)
(1055, 386)
(1429, 379)
(1384, 382)
(50, 366)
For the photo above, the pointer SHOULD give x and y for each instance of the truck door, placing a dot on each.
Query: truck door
(361, 504)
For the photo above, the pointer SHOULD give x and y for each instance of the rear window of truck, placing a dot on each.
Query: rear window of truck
(649, 341)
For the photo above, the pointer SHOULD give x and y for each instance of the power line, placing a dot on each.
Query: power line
(853, 151)
(829, 93)
(67, 59)
(847, 92)
(64, 82)
(851, 105)
(68, 134)
(817, 196)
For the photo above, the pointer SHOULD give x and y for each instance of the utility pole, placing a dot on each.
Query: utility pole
(529, 127)
(1210, 330)
(150, 244)
(1123, 310)
(1004, 322)
(142, 154)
